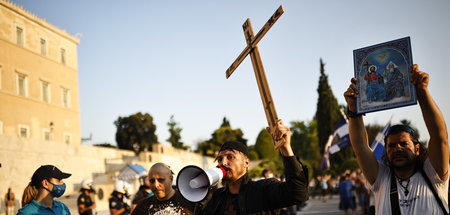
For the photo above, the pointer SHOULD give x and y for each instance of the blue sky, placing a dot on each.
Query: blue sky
(170, 57)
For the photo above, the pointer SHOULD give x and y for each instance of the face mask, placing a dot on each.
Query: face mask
(58, 189)
(270, 175)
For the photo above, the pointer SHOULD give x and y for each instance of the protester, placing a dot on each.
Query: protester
(143, 192)
(166, 200)
(407, 164)
(361, 190)
(10, 202)
(324, 188)
(85, 203)
(240, 195)
(117, 204)
(345, 191)
(46, 183)
(267, 173)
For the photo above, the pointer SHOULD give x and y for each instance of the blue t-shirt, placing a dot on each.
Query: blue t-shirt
(345, 189)
(34, 208)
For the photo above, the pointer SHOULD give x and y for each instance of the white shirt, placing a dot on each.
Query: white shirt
(420, 199)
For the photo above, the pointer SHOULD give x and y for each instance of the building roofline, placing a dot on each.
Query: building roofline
(39, 21)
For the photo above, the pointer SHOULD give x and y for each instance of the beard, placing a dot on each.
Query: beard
(410, 161)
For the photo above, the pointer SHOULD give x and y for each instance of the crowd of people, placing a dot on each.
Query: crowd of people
(411, 180)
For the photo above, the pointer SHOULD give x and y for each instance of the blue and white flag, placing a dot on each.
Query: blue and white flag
(338, 140)
(378, 144)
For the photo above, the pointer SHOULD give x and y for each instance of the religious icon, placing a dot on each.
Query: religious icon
(383, 75)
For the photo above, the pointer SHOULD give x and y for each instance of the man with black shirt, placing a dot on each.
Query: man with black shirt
(242, 196)
(165, 200)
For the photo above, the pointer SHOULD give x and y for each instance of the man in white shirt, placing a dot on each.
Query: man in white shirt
(405, 157)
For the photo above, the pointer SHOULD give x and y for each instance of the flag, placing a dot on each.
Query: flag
(338, 140)
(341, 139)
(325, 163)
(378, 143)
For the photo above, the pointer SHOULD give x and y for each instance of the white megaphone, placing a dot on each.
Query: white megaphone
(194, 182)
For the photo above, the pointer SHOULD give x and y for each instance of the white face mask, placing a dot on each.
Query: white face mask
(270, 175)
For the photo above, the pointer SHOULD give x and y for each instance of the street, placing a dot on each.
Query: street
(330, 207)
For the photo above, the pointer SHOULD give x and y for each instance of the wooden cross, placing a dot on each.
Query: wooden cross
(252, 49)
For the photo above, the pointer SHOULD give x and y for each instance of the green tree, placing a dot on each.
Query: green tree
(327, 113)
(138, 130)
(175, 134)
(305, 143)
(252, 154)
(219, 136)
(264, 145)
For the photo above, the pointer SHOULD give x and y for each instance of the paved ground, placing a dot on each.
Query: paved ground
(330, 207)
(313, 206)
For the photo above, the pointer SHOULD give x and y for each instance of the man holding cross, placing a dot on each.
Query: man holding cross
(240, 195)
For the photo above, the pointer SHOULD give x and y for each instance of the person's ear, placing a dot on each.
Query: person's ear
(417, 147)
(246, 162)
(45, 183)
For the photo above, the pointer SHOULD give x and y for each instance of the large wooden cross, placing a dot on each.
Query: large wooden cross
(263, 85)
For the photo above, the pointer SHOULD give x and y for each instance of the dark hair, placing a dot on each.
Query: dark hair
(265, 171)
(396, 129)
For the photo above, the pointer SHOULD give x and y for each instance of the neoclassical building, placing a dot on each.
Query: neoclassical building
(38, 78)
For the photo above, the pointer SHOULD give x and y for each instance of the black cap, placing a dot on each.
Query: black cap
(234, 145)
(46, 172)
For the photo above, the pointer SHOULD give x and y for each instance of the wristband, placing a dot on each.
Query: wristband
(352, 114)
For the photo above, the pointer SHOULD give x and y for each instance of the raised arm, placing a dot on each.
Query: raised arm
(438, 151)
(358, 137)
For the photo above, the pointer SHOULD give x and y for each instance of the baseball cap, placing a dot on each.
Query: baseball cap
(234, 145)
(46, 172)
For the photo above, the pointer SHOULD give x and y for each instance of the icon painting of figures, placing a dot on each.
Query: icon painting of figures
(383, 75)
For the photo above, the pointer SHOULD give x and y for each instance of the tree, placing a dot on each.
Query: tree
(219, 136)
(264, 145)
(305, 143)
(135, 130)
(175, 134)
(327, 113)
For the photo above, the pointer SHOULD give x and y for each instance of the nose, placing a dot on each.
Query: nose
(224, 162)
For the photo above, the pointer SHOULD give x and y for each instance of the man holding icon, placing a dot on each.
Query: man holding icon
(166, 199)
(412, 180)
(240, 195)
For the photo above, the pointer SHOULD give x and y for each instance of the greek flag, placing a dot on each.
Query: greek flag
(378, 144)
(338, 140)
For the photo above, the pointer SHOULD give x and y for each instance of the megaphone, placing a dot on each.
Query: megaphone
(194, 182)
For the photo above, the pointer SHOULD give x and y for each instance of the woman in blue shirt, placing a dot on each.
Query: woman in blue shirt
(46, 184)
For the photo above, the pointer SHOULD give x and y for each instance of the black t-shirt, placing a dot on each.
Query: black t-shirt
(175, 205)
(85, 200)
(232, 205)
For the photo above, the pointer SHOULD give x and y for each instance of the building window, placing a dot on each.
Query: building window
(19, 35)
(65, 97)
(22, 83)
(67, 138)
(24, 131)
(45, 91)
(47, 134)
(43, 47)
(63, 56)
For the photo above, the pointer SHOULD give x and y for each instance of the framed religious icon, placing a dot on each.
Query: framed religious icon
(383, 76)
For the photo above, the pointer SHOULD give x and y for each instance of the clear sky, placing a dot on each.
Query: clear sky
(170, 57)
